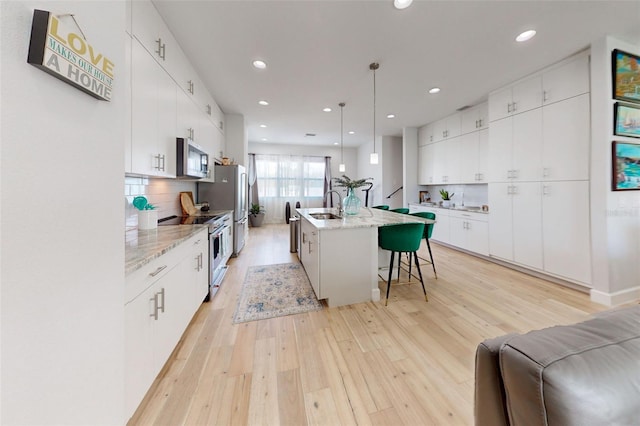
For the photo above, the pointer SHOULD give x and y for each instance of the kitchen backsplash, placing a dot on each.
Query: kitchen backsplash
(471, 195)
(162, 193)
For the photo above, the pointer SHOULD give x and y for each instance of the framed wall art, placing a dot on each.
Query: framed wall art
(626, 76)
(424, 197)
(626, 166)
(626, 120)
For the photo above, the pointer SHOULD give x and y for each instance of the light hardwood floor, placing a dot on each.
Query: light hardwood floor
(411, 363)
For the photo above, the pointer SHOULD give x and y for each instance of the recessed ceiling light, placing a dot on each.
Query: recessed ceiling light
(327, 109)
(259, 64)
(336, 143)
(264, 139)
(351, 132)
(434, 90)
(263, 125)
(402, 4)
(391, 116)
(265, 103)
(527, 35)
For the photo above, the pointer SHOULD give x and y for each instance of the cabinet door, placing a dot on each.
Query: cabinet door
(147, 26)
(527, 95)
(500, 104)
(468, 121)
(198, 267)
(478, 237)
(438, 128)
(452, 126)
(568, 80)
(527, 224)
(483, 155)
(439, 162)
(139, 367)
(565, 150)
(188, 121)
(424, 134)
(527, 146)
(468, 157)
(144, 112)
(423, 166)
(167, 123)
(452, 160)
(500, 149)
(441, 227)
(500, 221)
(457, 232)
(565, 217)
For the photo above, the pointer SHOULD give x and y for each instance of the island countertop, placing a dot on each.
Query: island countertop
(367, 217)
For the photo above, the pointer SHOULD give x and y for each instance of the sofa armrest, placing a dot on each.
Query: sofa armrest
(490, 407)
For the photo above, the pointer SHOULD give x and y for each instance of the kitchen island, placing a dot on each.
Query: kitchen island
(341, 256)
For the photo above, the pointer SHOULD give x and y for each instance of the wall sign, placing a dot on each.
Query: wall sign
(68, 56)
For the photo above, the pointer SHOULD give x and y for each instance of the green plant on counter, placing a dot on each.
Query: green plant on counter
(346, 182)
(256, 209)
(445, 194)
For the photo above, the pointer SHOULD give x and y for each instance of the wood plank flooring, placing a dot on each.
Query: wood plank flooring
(410, 363)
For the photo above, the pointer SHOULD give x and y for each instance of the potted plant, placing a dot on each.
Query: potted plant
(256, 215)
(446, 197)
(351, 203)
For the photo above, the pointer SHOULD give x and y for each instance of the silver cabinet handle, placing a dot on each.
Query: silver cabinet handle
(515, 107)
(190, 87)
(161, 48)
(545, 172)
(161, 307)
(545, 98)
(157, 271)
(509, 107)
(154, 315)
(546, 190)
(208, 109)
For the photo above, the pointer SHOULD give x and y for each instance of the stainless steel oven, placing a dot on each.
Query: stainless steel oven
(219, 244)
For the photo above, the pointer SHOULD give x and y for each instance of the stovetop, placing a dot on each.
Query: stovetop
(189, 220)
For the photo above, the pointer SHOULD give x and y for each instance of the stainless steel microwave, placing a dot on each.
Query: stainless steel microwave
(193, 162)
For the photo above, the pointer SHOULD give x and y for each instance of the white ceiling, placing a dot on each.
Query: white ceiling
(318, 54)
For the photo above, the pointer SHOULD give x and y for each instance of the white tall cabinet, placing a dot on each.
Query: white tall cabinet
(539, 172)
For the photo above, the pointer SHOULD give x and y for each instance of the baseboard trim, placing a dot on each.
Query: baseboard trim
(616, 298)
(583, 288)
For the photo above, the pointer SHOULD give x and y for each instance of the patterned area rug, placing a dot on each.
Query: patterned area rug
(275, 290)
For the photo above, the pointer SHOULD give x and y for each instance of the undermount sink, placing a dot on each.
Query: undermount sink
(324, 216)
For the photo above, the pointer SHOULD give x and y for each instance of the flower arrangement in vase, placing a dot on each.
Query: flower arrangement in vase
(351, 203)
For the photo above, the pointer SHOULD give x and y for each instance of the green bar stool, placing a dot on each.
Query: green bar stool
(428, 230)
(381, 207)
(400, 210)
(401, 238)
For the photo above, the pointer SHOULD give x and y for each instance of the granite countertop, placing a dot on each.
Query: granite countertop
(141, 247)
(366, 218)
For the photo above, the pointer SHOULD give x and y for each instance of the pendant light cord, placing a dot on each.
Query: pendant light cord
(374, 66)
(342, 104)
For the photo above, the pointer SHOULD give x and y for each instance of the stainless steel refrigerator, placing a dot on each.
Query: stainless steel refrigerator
(229, 192)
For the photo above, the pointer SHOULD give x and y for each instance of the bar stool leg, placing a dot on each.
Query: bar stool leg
(431, 256)
(415, 256)
(389, 280)
(399, 259)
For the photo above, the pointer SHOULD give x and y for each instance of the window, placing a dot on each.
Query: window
(290, 176)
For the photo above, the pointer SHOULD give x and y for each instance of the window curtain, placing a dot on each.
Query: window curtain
(289, 178)
(252, 181)
(327, 183)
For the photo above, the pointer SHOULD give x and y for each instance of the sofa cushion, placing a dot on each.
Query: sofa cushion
(582, 374)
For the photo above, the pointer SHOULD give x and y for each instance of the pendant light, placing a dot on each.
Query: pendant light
(373, 159)
(341, 167)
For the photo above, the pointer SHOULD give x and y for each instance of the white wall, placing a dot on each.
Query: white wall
(392, 171)
(62, 250)
(410, 158)
(615, 216)
(367, 170)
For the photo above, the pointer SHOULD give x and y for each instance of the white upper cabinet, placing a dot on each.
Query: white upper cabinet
(474, 119)
(515, 99)
(472, 157)
(151, 31)
(153, 117)
(425, 134)
(566, 136)
(566, 80)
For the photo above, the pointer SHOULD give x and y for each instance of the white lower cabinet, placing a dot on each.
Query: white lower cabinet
(543, 226)
(469, 231)
(172, 288)
(310, 254)
(565, 230)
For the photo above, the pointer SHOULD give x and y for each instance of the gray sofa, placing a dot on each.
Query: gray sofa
(583, 374)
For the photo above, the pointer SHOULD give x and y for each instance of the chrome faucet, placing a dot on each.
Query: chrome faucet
(340, 209)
